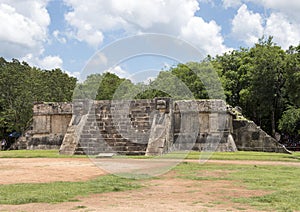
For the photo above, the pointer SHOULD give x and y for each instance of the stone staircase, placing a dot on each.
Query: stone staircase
(120, 127)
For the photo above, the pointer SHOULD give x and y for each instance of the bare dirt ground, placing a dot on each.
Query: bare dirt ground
(39, 170)
(167, 193)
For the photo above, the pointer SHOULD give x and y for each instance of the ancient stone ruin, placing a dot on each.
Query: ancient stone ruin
(143, 127)
(49, 126)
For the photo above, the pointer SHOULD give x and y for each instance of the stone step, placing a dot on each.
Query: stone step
(131, 152)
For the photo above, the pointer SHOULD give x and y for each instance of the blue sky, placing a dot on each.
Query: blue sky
(67, 33)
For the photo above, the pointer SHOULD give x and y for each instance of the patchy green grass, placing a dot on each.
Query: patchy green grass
(240, 155)
(79, 207)
(36, 154)
(62, 191)
(245, 155)
(281, 181)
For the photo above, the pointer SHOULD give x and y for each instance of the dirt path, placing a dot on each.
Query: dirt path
(38, 170)
(160, 195)
(167, 193)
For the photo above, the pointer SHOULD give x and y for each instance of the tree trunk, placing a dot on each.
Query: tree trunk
(273, 122)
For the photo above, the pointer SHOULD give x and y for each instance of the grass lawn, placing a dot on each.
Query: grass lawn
(245, 155)
(240, 155)
(36, 154)
(62, 191)
(281, 181)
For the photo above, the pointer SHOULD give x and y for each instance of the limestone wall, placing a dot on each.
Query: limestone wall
(249, 137)
(139, 127)
(149, 126)
(50, 123)
(203, 125)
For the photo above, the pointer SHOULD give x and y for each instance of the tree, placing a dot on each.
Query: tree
(22, 85)
(108, 85)
(14, 84)
(233, 70)
(290, 121)
(89, 88)
(266, 83)
(104, 86)
(292, 76)
(58, 87)
(187, 81)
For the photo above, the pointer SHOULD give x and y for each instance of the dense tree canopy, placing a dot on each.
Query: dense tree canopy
(264, 80)
(22, 85)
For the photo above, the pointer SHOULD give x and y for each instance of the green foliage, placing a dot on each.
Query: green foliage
(22, 85)
(292, 76)
(167, 82)
(89, 88)
(266, 83)
(185, 81)
(149, 93)
(125, 90)
(240, 155)
(247, 155)
(106, 86)
(206, 82)
(58, 87)
(262, 80)
(233, 70)
(36, 154)
(187, 77)
(290, 121)
(62, 191)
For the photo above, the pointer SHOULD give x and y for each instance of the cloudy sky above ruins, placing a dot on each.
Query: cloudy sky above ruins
(66, 33)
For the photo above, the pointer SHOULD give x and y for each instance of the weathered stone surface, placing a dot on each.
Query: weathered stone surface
(161, 133)
(249, 137)
(50, 123)
(105, 155)
(151, 127)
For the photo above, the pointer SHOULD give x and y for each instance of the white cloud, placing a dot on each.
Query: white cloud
(282, 23)
(149, 80)
(59, 37)
(129, 15)
(91, 21)
(283, 31)
(48, 62)
(247, 26)
(23, 27)
(231, 3)
(74, 74)
(206, 36)
(118, 70)
(290, 8)
(24, 32)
